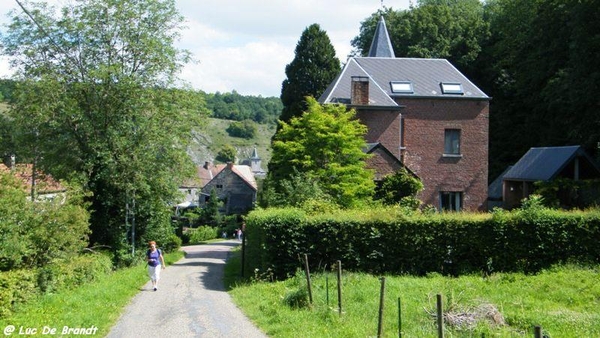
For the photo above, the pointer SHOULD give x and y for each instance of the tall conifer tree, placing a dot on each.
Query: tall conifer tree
(312, 70)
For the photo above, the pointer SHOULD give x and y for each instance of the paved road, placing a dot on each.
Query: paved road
(190, 302)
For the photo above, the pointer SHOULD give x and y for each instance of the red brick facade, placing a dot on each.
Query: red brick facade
(421, 124)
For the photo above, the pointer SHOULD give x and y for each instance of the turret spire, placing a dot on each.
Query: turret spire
(381, 46)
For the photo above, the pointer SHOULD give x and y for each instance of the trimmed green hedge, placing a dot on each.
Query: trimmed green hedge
(387, 241)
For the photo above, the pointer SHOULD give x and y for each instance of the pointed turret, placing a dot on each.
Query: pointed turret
(381, 46)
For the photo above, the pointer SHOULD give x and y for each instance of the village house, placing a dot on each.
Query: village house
(427, 114)
(38, 184)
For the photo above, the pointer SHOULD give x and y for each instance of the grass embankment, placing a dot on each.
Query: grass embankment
(564, 301)
(97, 304)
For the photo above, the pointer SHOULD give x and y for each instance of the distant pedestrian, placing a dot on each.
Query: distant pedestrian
(156, 262)
(224, 235)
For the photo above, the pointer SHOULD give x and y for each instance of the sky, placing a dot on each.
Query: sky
(244, 45)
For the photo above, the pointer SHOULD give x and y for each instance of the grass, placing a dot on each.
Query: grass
(209, 140)
(564, 301)
(97, 304)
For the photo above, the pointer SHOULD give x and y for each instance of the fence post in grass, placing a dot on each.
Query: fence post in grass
(399, 318)
(339, 286)
(310, 299)
(381, 299)
(327, 288)
(243, 253)
(537, 331)
(440, 317)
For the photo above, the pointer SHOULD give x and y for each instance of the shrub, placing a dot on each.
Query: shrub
(201, 234)
(16, 287)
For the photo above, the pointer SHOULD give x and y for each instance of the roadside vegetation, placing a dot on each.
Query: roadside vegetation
(97, 303)
(563, 300)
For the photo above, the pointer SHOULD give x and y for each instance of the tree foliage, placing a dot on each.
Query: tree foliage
(93, 101)
(396, 186)
(312, 70)
(227, 153)
(233, 106)
(33, 234)
(325, 144)
(244, 129)
(537, 59)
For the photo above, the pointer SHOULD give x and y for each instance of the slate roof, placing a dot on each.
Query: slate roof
(425, 75)
(543, 164)
(381, 45)
(495, 188)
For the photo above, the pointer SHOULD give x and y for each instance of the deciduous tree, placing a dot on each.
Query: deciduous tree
(96, 100)
(326, 144)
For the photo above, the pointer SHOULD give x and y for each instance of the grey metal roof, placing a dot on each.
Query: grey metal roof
(425, 75)
(543, 164)
(381, 46)
(495, 188)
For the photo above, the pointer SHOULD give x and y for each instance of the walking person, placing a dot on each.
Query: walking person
(156, 262)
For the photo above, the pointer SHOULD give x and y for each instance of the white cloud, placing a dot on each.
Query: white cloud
(244, 45)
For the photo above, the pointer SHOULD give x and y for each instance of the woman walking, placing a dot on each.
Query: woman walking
(156, 262)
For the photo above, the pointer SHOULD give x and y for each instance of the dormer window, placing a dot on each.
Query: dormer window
(452, 88)
(402, 87)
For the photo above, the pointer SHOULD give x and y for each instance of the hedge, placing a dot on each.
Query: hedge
(387, 241)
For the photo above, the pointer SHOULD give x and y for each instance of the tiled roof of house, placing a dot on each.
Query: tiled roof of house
(45, 183)
(425, 77)
(245, 173)
(545, 163)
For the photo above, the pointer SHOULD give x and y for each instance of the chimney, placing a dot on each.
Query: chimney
(360, 91)
(206, 165)
(229, 165)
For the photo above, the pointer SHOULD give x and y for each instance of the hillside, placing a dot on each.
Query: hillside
(210, 138)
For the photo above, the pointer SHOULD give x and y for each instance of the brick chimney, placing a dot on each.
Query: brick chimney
(360, 91)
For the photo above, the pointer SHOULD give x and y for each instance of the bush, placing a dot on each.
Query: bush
(201, 234)
(69, 274)
(16, 287)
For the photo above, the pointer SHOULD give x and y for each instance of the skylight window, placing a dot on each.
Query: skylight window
(402, 87)
(452, 88)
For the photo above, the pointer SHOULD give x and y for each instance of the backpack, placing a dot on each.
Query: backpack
(156, 262)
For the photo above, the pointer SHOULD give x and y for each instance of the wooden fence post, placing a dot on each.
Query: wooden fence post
(399, 318)
(310, 299)
(381, 300)
(339, 286)
(440, 316)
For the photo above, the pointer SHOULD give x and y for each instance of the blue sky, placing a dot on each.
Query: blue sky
(244, 45)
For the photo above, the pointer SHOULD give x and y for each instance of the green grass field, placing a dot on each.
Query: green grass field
(564, 302)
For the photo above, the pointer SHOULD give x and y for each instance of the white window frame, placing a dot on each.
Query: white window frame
(455, 200)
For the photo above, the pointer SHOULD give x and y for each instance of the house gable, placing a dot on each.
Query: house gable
(236, 185)
(411, 106)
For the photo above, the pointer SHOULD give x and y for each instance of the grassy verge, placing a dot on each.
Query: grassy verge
(98, 304)
(564, 301)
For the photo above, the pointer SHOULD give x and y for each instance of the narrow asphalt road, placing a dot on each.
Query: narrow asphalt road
(190, 302)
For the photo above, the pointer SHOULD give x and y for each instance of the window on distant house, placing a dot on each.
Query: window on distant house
(402, 87)
(219, 186)
(452, 142)
(451, 88)
(451, 200)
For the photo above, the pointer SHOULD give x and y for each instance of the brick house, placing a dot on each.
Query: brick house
(427, 114)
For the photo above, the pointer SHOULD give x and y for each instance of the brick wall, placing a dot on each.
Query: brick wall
(424, 125)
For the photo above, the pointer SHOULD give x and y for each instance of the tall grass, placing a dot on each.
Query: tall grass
(564, 301)
(97, 304)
